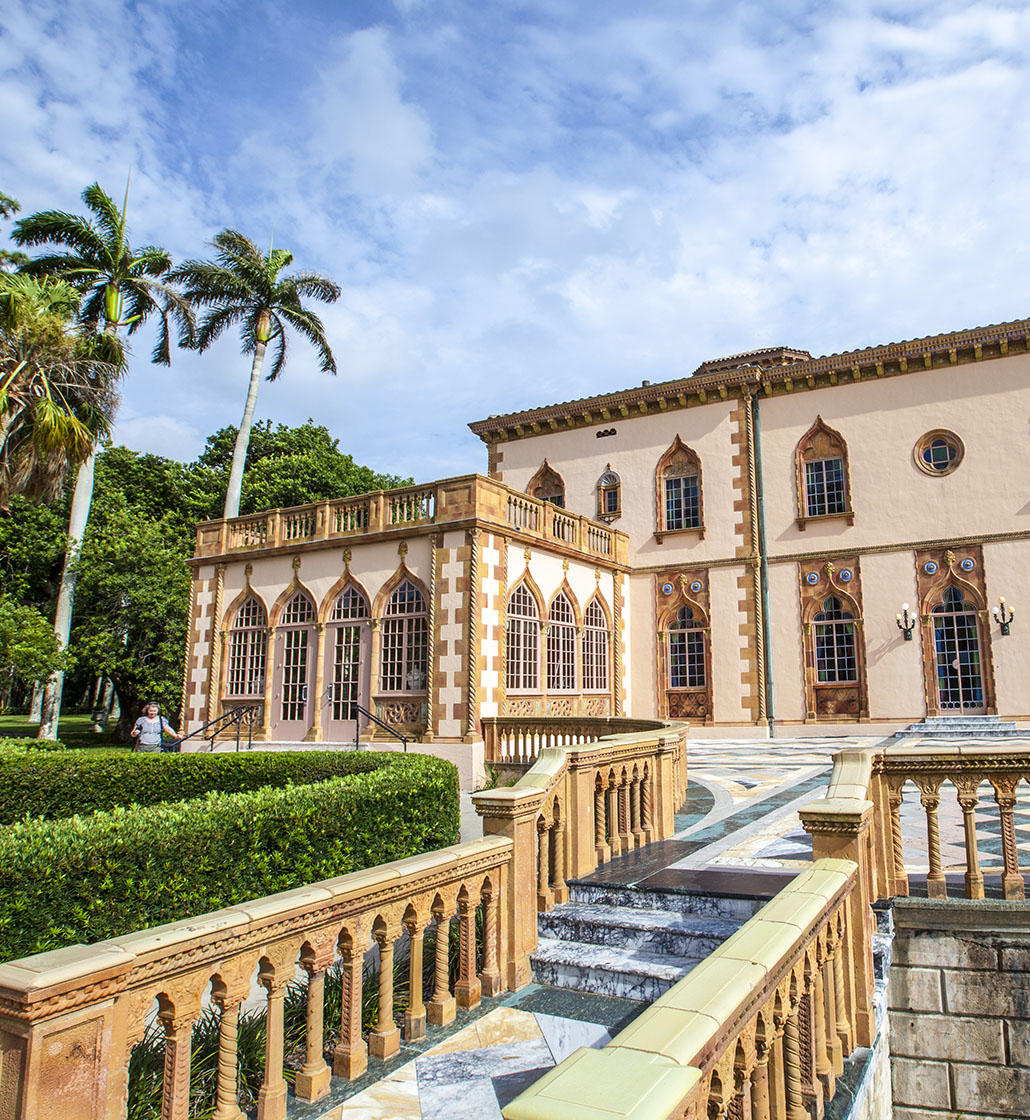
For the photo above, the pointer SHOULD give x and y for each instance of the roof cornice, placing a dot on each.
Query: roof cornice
(896, 358)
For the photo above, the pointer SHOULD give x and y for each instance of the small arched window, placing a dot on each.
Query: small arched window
(679, 497)
(609, 495)
(547, 485)
(349, 612)
(248, 644)
(823, 480)
(522, 670)
(687, 667)
(595, 648)
(836, 661)
(561, 646)
(295, 622)
(404, 641)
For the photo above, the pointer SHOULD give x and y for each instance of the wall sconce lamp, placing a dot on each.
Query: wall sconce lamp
(905, 622)
(1003, 615)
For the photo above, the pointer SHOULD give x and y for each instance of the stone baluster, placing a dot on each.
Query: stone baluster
(228, 1000)
(491, 975)
(178, 1023)
(759, 1087)
(634, 811)
(559, 886)
(467, 991)
(350, 1058)
(844, 1028)
(777, 1074)
(274, 976)
(385, 1037)
(929, 798)
(895, 797)
(544, 897)
(820, 1044)
(647, 807)
(968, 798)
(600, 830)
(415, 1015)
(313, 1077)
(442, 1008)
(612, 817)
(792, 1069)
(834, 1048)
(625, 833)
(1005, 795)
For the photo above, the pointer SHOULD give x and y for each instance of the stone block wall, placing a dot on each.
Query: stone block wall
(959, 999)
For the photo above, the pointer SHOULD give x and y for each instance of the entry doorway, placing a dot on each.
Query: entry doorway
(957, 646)
(346, 671)
(294, 645)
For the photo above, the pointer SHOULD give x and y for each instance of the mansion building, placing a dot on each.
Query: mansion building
(777, 541)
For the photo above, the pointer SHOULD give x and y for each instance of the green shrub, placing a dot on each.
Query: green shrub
(18, 748)
(85, 879)
(60, 786)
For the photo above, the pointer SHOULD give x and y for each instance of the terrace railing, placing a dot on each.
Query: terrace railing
(69, 1019)
(460, 499)
(518, 740)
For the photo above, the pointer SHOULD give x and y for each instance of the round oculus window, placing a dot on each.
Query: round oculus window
(938, 452)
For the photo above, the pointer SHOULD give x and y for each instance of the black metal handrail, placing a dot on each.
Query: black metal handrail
(385, 726)
(243, 713)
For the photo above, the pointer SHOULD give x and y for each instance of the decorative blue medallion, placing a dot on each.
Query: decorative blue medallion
(968, 564)
(845, 575)
(667, 589)
(696, 586)
(812, 578)
(930, 567)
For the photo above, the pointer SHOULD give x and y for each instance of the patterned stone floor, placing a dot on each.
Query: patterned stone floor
(739, 818)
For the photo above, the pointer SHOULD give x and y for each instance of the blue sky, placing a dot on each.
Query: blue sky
(530, 202)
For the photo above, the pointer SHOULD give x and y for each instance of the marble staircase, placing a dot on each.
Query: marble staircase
(963, 727)
(632, 943)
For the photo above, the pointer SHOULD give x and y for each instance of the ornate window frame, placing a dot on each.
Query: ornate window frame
(673, 591)
(679, 461)
(923, 443)
(833, 701)
(523, 642)
(595, 646)
(550, 484)
(404, 640)
(247, 650)
(609, 495)
(819, 443)
(562, 670)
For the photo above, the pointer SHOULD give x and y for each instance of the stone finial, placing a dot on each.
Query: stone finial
(296, 563)
(828, 570)
(527, 555)
(248, 571)
(565, 566)
(348, 556)
(402, 549)
(597, 575)
(949, 558)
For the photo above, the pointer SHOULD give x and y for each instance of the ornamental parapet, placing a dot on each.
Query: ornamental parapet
(470, 500)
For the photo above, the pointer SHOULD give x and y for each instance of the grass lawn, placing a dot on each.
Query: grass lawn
(74, 731)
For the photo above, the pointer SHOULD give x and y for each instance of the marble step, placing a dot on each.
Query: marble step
(630, 927)
(605, 970)
(678, 902)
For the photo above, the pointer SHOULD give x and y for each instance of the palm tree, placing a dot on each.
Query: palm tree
(8, 259)
(121, 287)
(57, 395)
(243, 285)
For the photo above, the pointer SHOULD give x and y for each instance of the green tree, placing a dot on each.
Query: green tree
(56, 386)
(246, 287)
(133, 595)
(122, 287)
(288, 467)
(29, 652)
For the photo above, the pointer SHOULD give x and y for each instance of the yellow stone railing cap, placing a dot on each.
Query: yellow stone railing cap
(718, 987)
(182, 935)
(64, 966)
(302, 899)
(609, 1084)
(673, 1032)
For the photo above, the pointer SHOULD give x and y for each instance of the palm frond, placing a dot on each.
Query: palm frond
(309, 325)
(110, 219)
(56, 227)
(316, 285)
(215, 322)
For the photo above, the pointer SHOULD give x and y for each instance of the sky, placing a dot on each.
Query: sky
(529, 202)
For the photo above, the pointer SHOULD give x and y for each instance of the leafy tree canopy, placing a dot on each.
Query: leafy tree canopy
(28, 647)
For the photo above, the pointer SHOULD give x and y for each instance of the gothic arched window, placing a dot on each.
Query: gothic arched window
(687, 668)
(522, 670)
(609, 495)
(561, 646)
(404, 650)
(836, 660)
(679, 505)
(595, 648)
(248, 644)
(823, 479)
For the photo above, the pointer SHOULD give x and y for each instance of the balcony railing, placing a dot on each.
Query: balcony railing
(439, 503)
(518, 740)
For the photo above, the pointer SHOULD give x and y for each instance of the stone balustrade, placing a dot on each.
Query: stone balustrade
(518, 740)
(70, 1018)
(577, 807)
(469, 498)
(966, 766)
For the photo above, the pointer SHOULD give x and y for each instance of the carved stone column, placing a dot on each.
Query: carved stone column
(178, 1027)
(314, 732)
(385, 1038)
(442, 1007)
(415, 1016)
(968, 799)
(313, 1077)
(350, 1058)
(491, 976)
(228, 999)
(274, 977)
(467, 991)
(1005, 795)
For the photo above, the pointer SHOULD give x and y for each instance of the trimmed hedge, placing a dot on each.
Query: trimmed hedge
(37, 785)
(85, 879)
(18, 748)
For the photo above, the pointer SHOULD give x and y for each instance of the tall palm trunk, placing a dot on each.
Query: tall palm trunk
(82, 499)
(239, 451)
